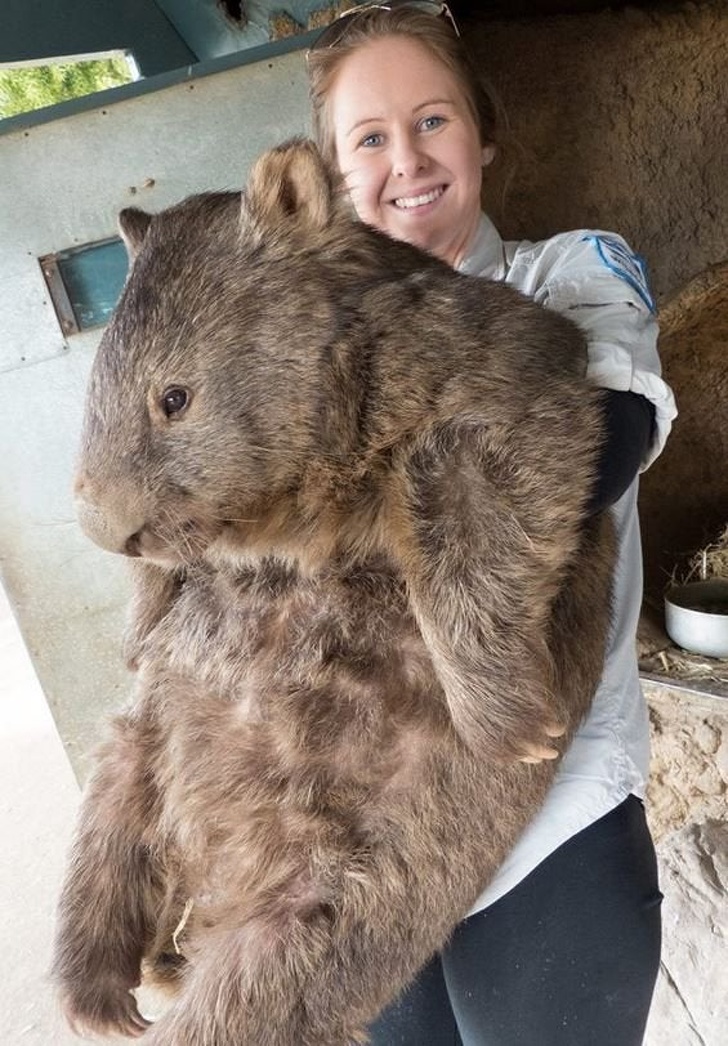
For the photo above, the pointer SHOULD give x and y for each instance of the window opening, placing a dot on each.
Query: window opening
(35, 84)
(85, 283)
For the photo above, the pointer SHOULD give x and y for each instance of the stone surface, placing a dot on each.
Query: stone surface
(691, 1003)
(689, 770)
(687, 803)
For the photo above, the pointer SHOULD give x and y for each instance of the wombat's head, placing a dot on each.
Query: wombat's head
(206, 394)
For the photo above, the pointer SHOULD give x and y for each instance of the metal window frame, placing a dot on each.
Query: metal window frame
(50, 265)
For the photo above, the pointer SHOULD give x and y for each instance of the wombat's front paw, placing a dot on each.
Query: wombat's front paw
(537, 751)
(98, 1011)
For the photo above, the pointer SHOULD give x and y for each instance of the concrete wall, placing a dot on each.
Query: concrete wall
(210, 32)
(63, 183)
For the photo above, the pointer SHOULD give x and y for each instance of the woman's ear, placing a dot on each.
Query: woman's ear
(488, 154)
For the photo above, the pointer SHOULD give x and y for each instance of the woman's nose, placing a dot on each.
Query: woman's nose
(408, 158)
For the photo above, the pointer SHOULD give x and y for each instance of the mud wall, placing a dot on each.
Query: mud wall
(618, 121)
(684, 496)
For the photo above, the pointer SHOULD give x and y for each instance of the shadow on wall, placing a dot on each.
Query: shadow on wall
(684, 496)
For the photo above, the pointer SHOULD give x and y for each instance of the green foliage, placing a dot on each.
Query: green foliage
(33, 87)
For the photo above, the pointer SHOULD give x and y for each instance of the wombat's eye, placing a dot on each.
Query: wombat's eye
(174, 400)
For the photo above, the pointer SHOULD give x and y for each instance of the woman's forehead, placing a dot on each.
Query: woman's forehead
(391, 73)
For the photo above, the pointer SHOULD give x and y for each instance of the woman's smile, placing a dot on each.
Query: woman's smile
(421, 200)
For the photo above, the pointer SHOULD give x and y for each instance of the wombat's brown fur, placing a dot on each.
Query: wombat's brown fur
(354, 483)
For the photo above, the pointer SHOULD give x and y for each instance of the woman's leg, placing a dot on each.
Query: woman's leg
(422, 1016)
(570, 956)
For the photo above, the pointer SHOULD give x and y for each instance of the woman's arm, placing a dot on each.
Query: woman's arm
(600, 284)
(629, 420)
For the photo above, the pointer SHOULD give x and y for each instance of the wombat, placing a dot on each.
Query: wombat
(354, 487)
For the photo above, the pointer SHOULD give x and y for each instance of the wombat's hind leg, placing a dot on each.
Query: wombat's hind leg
(250, 986)
(114, 1014)
(112, 893)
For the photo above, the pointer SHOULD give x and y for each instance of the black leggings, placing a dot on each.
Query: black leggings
(568, 958)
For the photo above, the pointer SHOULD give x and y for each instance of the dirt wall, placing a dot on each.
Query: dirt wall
(618, 121)
(684, 496)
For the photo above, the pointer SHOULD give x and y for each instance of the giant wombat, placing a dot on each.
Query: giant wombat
(354, 485)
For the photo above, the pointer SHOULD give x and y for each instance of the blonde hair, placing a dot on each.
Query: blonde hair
(434, 33)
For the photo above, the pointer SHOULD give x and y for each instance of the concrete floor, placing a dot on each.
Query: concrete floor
(39, 800)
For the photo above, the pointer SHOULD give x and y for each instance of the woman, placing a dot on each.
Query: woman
(563, 946)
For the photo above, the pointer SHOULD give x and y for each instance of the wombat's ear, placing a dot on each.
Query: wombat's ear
(289, 187)
(133, 227)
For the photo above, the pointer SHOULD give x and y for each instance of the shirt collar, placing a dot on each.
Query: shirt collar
(486, 256)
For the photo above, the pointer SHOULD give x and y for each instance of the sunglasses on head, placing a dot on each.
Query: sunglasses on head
(334, 33)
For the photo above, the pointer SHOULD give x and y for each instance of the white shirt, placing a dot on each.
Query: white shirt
(596, 280)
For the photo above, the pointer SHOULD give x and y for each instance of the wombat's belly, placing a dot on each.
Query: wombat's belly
(302, 725)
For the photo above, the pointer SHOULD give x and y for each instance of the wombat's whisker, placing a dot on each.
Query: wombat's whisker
(185, 542)
(174, 535)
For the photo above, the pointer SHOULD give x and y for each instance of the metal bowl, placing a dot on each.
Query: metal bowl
(696, 616)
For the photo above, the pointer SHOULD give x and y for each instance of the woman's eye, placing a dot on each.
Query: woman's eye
(430, 123)
(175, 400)
(371, 140)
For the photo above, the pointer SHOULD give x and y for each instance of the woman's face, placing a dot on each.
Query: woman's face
(408, 145)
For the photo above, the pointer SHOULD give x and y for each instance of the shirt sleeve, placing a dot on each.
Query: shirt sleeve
(596, 280)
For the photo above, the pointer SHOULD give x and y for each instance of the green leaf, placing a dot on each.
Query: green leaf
(25, 88)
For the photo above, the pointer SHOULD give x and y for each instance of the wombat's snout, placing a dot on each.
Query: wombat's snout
(106, 515)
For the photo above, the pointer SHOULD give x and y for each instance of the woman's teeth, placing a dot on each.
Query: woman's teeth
(419, 201)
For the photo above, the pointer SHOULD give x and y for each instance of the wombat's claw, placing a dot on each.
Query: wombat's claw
(126, 1021)
(538, 753)
(136, 1027)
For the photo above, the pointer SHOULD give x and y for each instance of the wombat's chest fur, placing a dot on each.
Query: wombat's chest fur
(308, 684)
(315, 732)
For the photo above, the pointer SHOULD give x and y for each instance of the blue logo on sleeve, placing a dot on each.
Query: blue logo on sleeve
(624, 263)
